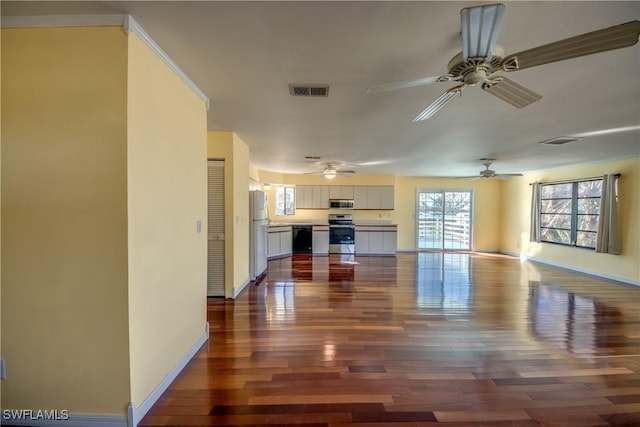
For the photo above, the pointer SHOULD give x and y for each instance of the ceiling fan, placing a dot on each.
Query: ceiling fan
(488, 173)
(481, 57)
(330, 172)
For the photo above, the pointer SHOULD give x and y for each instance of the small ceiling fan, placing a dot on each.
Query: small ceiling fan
(330, 172)
(481, 57)
(488, 173)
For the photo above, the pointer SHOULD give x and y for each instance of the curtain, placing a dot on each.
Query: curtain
(608, 240)
(534, 230)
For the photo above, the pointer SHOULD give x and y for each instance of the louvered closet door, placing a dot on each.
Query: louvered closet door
(215, 267)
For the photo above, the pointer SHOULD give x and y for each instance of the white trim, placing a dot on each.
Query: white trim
(131, 26)
(140, 412)
(126, 21)
(134, 415)
(237, 292)
(38, 21)
(573, 268)
(75, 420)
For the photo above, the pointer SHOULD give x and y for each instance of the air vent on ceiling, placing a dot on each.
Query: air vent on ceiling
(312, 157)
(560, 140)
(308, 90)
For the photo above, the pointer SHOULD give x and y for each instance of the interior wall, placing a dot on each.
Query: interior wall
(516, 205)
(227, 145)
(242, 219)
(167, 189)
(486, 209)
(64, 219)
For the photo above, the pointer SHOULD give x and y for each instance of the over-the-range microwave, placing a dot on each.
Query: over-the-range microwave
(341, 203)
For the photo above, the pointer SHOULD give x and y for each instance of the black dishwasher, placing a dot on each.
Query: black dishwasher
(302, 239)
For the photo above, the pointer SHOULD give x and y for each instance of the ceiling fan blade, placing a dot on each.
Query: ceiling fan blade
(346, 171)
(480, 27)
(440, 102)
(385, 87)
(511, 92)
(611, 38)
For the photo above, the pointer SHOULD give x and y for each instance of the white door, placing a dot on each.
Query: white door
(215, 249)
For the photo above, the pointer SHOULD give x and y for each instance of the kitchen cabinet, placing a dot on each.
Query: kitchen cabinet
(312, 197)
(304, 196)
(376, 239)
(280, 241)
(363, 196)
(373, 197)
(320, 242)
(387, 197)
(360, 196)
(320, 197)
(341, 192)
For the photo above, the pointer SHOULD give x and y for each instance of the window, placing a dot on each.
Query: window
(285, 200)
(569, 213)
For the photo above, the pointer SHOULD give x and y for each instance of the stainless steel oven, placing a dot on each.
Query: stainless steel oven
(342, 234)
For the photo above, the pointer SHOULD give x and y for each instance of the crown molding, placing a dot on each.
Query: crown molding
(126, 21)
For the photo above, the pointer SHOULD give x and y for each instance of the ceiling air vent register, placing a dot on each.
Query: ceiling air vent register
(309, 90)
(561, 140)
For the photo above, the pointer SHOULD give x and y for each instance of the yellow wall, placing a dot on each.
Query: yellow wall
(486, 209)
(228, 146)
(167, 179)
(516, 204)
(64, 219)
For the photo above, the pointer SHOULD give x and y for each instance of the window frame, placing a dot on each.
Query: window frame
(574, 213)
(288, 194)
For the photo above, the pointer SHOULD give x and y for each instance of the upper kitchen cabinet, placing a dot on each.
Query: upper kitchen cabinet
(312, 197)
(374, 197)
(360, 197)
(341, 192)
(363, 196)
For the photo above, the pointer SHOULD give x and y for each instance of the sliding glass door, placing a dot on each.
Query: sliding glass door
(444, 219)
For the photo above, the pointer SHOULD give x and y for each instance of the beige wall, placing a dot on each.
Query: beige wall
(167, 195)
(516, 204)
(64, 219)
(486, 209)
(228, 146)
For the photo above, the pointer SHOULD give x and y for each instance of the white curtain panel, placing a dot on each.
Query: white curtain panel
(534, 228)
(608, 240)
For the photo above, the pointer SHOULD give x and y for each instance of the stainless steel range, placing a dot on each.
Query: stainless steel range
(342, 234)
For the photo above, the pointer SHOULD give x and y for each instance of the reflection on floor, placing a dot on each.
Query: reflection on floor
(463, 339)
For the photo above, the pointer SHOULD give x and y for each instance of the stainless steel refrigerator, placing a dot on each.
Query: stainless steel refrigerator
(259, 233)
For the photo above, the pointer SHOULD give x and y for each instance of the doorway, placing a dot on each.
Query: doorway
(215, 237)
(444, 219)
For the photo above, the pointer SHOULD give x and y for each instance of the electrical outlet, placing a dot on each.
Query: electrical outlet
(3, 371)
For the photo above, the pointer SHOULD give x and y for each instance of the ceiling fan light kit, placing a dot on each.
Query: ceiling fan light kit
(481, 57)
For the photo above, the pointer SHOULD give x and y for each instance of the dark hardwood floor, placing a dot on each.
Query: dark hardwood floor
(426, 339)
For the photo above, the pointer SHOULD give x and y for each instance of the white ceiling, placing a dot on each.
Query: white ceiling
(244, 55)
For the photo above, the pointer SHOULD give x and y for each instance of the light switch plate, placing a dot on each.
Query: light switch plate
(199, 226)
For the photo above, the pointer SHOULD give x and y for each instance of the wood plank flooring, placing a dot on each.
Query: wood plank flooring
(428, 339)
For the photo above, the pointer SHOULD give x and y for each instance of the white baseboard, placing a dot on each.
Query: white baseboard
(576, 269)
(134, 415)
(138, 413)
(238, 291)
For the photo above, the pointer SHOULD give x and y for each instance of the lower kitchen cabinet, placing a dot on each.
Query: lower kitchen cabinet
(376, 240)
(280, 241)
(320, 242)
